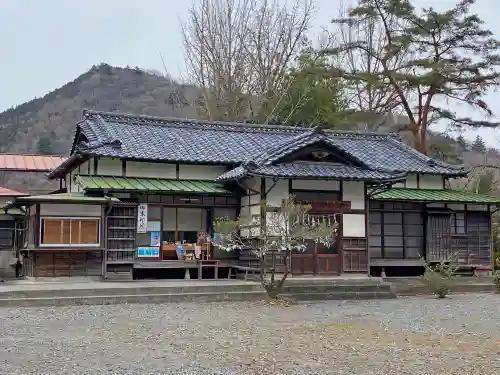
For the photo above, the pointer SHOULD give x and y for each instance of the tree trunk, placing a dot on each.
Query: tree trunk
(273, 287)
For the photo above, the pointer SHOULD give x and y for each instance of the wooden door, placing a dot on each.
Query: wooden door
(438, 242)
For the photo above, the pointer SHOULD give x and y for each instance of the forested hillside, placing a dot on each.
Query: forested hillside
(46, 125)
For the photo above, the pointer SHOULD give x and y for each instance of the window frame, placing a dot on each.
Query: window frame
(453, 223)
(7, 230)
(97, 245)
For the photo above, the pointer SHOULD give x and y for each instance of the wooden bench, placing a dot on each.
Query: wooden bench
(246, 270)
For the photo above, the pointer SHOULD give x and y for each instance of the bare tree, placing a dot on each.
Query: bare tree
(282, 230)
(238, 51)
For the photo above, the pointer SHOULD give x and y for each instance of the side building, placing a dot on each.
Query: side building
(138, 188)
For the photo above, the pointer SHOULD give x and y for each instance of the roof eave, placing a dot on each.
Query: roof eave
(434, 201)
(63, 168)
(392, 179)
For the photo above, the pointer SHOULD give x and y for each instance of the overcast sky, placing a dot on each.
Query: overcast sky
(47, 43)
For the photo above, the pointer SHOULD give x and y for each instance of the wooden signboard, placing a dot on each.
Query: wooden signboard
(328, 207)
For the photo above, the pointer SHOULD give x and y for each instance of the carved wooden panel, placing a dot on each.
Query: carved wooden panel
(354, 255)
(303, 264)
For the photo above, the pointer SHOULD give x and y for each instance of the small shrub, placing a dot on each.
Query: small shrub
(496, 256)
(496, 275)
(439, 277)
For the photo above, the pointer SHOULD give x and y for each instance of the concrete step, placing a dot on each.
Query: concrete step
(341, 295)
(341, 288)
(130, 290)
(133, 299)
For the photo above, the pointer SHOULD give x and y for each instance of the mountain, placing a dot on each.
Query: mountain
(103, 87)
(46, 125)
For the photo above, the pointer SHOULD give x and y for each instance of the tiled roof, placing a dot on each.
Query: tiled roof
(435, 195)
(180, 140)
(29, 163)
(4, 192)
(311, 171)
(147, 184)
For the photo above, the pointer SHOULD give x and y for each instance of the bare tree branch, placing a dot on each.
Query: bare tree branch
(238, 52)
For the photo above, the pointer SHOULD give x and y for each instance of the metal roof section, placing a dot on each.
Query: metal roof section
(4, 192)
(152, 185)
(435, 195)
(29, 163)
(61, 198)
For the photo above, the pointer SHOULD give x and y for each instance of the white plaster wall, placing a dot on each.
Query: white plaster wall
(200, 172)
(276, 192)
(250, 204)
(72, 186)
(316, 185)
(85, 167)
(411, 181)
(109, 167)
(399, 185)
(151, 170)
(354, 192)
(70, 210)
(353, 225)
(430, 182)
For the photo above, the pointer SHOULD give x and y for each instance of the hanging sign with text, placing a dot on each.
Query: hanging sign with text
(142, 218)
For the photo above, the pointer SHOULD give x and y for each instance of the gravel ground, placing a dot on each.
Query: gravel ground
(460, 335)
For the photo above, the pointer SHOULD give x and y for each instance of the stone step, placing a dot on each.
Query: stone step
(131, 290)
(339, 295)
(342, 288)
(133, 299)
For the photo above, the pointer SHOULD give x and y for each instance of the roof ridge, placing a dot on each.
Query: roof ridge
(170, 121)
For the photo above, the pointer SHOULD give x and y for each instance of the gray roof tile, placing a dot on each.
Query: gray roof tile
(312, 171)
(178, 140)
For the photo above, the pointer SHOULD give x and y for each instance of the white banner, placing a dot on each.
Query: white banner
(142, 218)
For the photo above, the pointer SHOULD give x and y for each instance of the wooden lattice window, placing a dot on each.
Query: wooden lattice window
(69, 232)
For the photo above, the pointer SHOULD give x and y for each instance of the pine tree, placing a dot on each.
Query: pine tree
(434, 61)
(462, 143)
(478, 145)
(44, 146)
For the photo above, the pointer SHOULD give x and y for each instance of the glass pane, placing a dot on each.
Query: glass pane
(143, 239)
(393, 241)
(393, 218)
(393, 229)
(89, 232)
(66, 232)
(375, 252)
(52, 231)
(189, 236)
(75, 228)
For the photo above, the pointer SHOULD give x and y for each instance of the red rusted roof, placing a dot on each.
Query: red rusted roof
(4, 192)
(29, 163)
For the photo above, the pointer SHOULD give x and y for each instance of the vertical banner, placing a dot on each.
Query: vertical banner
(142, 218)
